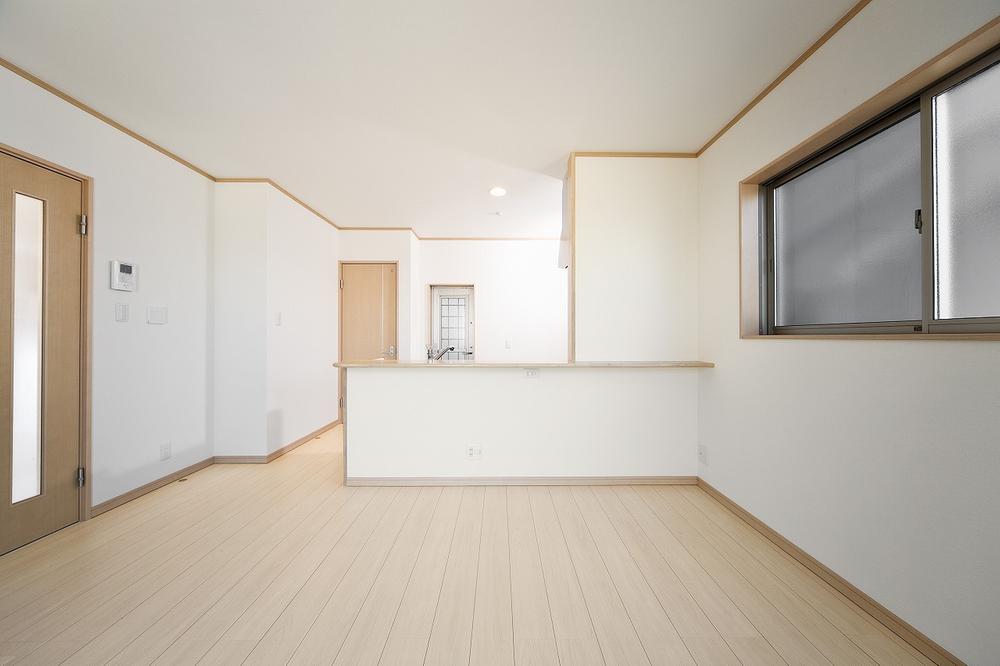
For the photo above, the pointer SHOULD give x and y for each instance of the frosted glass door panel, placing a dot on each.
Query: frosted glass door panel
(967, 184)
(27, 357)
(846, 250)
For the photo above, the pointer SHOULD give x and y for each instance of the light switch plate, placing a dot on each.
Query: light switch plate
(156, 314)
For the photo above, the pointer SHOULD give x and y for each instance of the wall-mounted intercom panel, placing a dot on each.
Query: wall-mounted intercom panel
(124, 276)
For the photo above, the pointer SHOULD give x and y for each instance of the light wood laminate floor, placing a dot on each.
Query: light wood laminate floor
(279, 563)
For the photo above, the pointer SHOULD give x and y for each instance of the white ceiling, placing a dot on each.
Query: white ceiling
(403, 113)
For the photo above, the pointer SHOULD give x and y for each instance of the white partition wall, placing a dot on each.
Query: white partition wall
(274, 321)
(239, 333)
(302, 322)
(636, 258)
(570, 422)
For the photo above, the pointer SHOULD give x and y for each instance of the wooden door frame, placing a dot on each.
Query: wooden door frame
(86, 257)
(340, 323)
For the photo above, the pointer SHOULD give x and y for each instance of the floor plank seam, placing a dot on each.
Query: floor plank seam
(409, 578)
(437, 602)
(388, 553)
(306, 582)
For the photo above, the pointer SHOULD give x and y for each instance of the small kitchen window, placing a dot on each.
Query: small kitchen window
(452, 323)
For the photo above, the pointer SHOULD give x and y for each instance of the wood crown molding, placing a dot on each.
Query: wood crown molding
(844, 20)
(890, 620)
(28, 76)
(599, 153)
(815, 46)
(973, 45)
(680, 155)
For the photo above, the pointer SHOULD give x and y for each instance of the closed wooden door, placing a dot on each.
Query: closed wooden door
(40, 343)
(368, 312)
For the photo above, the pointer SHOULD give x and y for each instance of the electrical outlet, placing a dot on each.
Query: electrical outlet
(473, 452)
(165, 451)
(506, 344)
(703, 454)
(531, 373)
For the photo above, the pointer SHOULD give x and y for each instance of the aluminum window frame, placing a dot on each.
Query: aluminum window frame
(922, 103)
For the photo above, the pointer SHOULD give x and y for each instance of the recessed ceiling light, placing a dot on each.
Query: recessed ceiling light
(498, 191)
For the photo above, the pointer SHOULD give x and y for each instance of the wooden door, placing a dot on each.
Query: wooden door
(368, 312)
(41, 252)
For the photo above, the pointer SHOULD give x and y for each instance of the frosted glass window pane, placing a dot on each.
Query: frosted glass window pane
(27, 357)
(845, 247)
(967, 201)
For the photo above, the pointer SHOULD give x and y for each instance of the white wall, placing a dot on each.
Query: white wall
(520, 296)
(636, 259)
(302, 329)
(149, 383)
(238, 302)
(565, 422)
(273, 382)
(878, 458)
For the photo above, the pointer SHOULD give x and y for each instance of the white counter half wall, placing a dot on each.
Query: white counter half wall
(413, 425)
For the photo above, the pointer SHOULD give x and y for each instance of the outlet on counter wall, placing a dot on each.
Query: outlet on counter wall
(473, 452)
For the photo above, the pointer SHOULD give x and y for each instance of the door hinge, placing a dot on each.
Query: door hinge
(83, 225)
(918, 221)
(81, 477)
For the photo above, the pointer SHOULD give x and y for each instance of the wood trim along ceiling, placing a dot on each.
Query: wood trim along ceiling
(135, 493)
(612, 153)
(138, 137)
(890, 620)
(28, 76)
(815, 46)
(844, 20)
(24, 74)
(964, 50)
